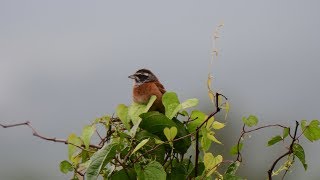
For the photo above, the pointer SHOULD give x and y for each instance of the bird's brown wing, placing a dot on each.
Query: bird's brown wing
(160, 87)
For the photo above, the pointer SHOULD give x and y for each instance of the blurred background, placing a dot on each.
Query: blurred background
(65, 63)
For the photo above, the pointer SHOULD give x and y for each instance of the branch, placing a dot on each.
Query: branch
(290, 151)
(35, 133)
(198, 129)
(244, 131)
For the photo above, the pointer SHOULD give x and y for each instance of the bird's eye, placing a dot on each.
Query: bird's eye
(143, 77)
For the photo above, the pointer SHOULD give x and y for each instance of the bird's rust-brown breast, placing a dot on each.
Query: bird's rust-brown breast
(143, 92)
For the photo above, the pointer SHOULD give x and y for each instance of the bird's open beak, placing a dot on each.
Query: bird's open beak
(131, 76)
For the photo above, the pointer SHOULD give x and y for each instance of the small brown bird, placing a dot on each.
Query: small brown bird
(145, 85)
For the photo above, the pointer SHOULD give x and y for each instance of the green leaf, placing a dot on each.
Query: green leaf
(299, 153)
(250, 121)
(178, 172)
(138, 169)
(232, 168)
(72, 149)
(99, 159)
(140, 145)
(155, 122)
(211, 163)
(197, 117)
(158, 153)
(311, 131)
(204, 140)
(285, 132)
(87, 133)
(172, 104)
(135, 110)
(218, 125)
(274, 140)
(189, 103)
(153, 170)
(209, 123)
(65, 167)
(128, 174)
(170, 133)
(122, 113)
(211, 136)
(234, 149)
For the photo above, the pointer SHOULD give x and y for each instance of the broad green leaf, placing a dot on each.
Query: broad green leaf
(124, 174)
(285, 132)
(170, 133)
(197, 117)
(299, 153)
(171, 104)
(189, 103)
(250, 121)
(138, 169)
(235, 149)
(232, 168)
(65, 167)
(211, 163)
(204, 140)
(217, 125)
(122, 113)
(155, 122)
(140, 145)
(211, 136)
(274, 140)
(99, 159)
(135, 110)
(209, 123)
(87, 133)
(177, 173)
(152, 171)
(311, 131)
(72, 149)
(158, 153)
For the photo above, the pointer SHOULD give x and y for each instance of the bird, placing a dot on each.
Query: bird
(145, 85)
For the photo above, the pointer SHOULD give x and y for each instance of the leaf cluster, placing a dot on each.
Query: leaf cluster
(138, 144)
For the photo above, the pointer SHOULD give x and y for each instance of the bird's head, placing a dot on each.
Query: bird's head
(143, 76)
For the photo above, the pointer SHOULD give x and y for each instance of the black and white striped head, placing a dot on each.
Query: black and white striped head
(143, 76)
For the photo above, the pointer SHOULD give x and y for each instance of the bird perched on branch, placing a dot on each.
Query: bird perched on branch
(145, 85)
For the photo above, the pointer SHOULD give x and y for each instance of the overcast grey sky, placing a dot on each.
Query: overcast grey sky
(64, 63)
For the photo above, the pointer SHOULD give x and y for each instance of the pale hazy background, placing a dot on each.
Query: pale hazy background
(64, 63)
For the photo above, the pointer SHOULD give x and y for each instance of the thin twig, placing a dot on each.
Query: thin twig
(244, 131)
(35, 133)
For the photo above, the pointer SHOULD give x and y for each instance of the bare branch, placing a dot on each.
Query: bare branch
(35, 133)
